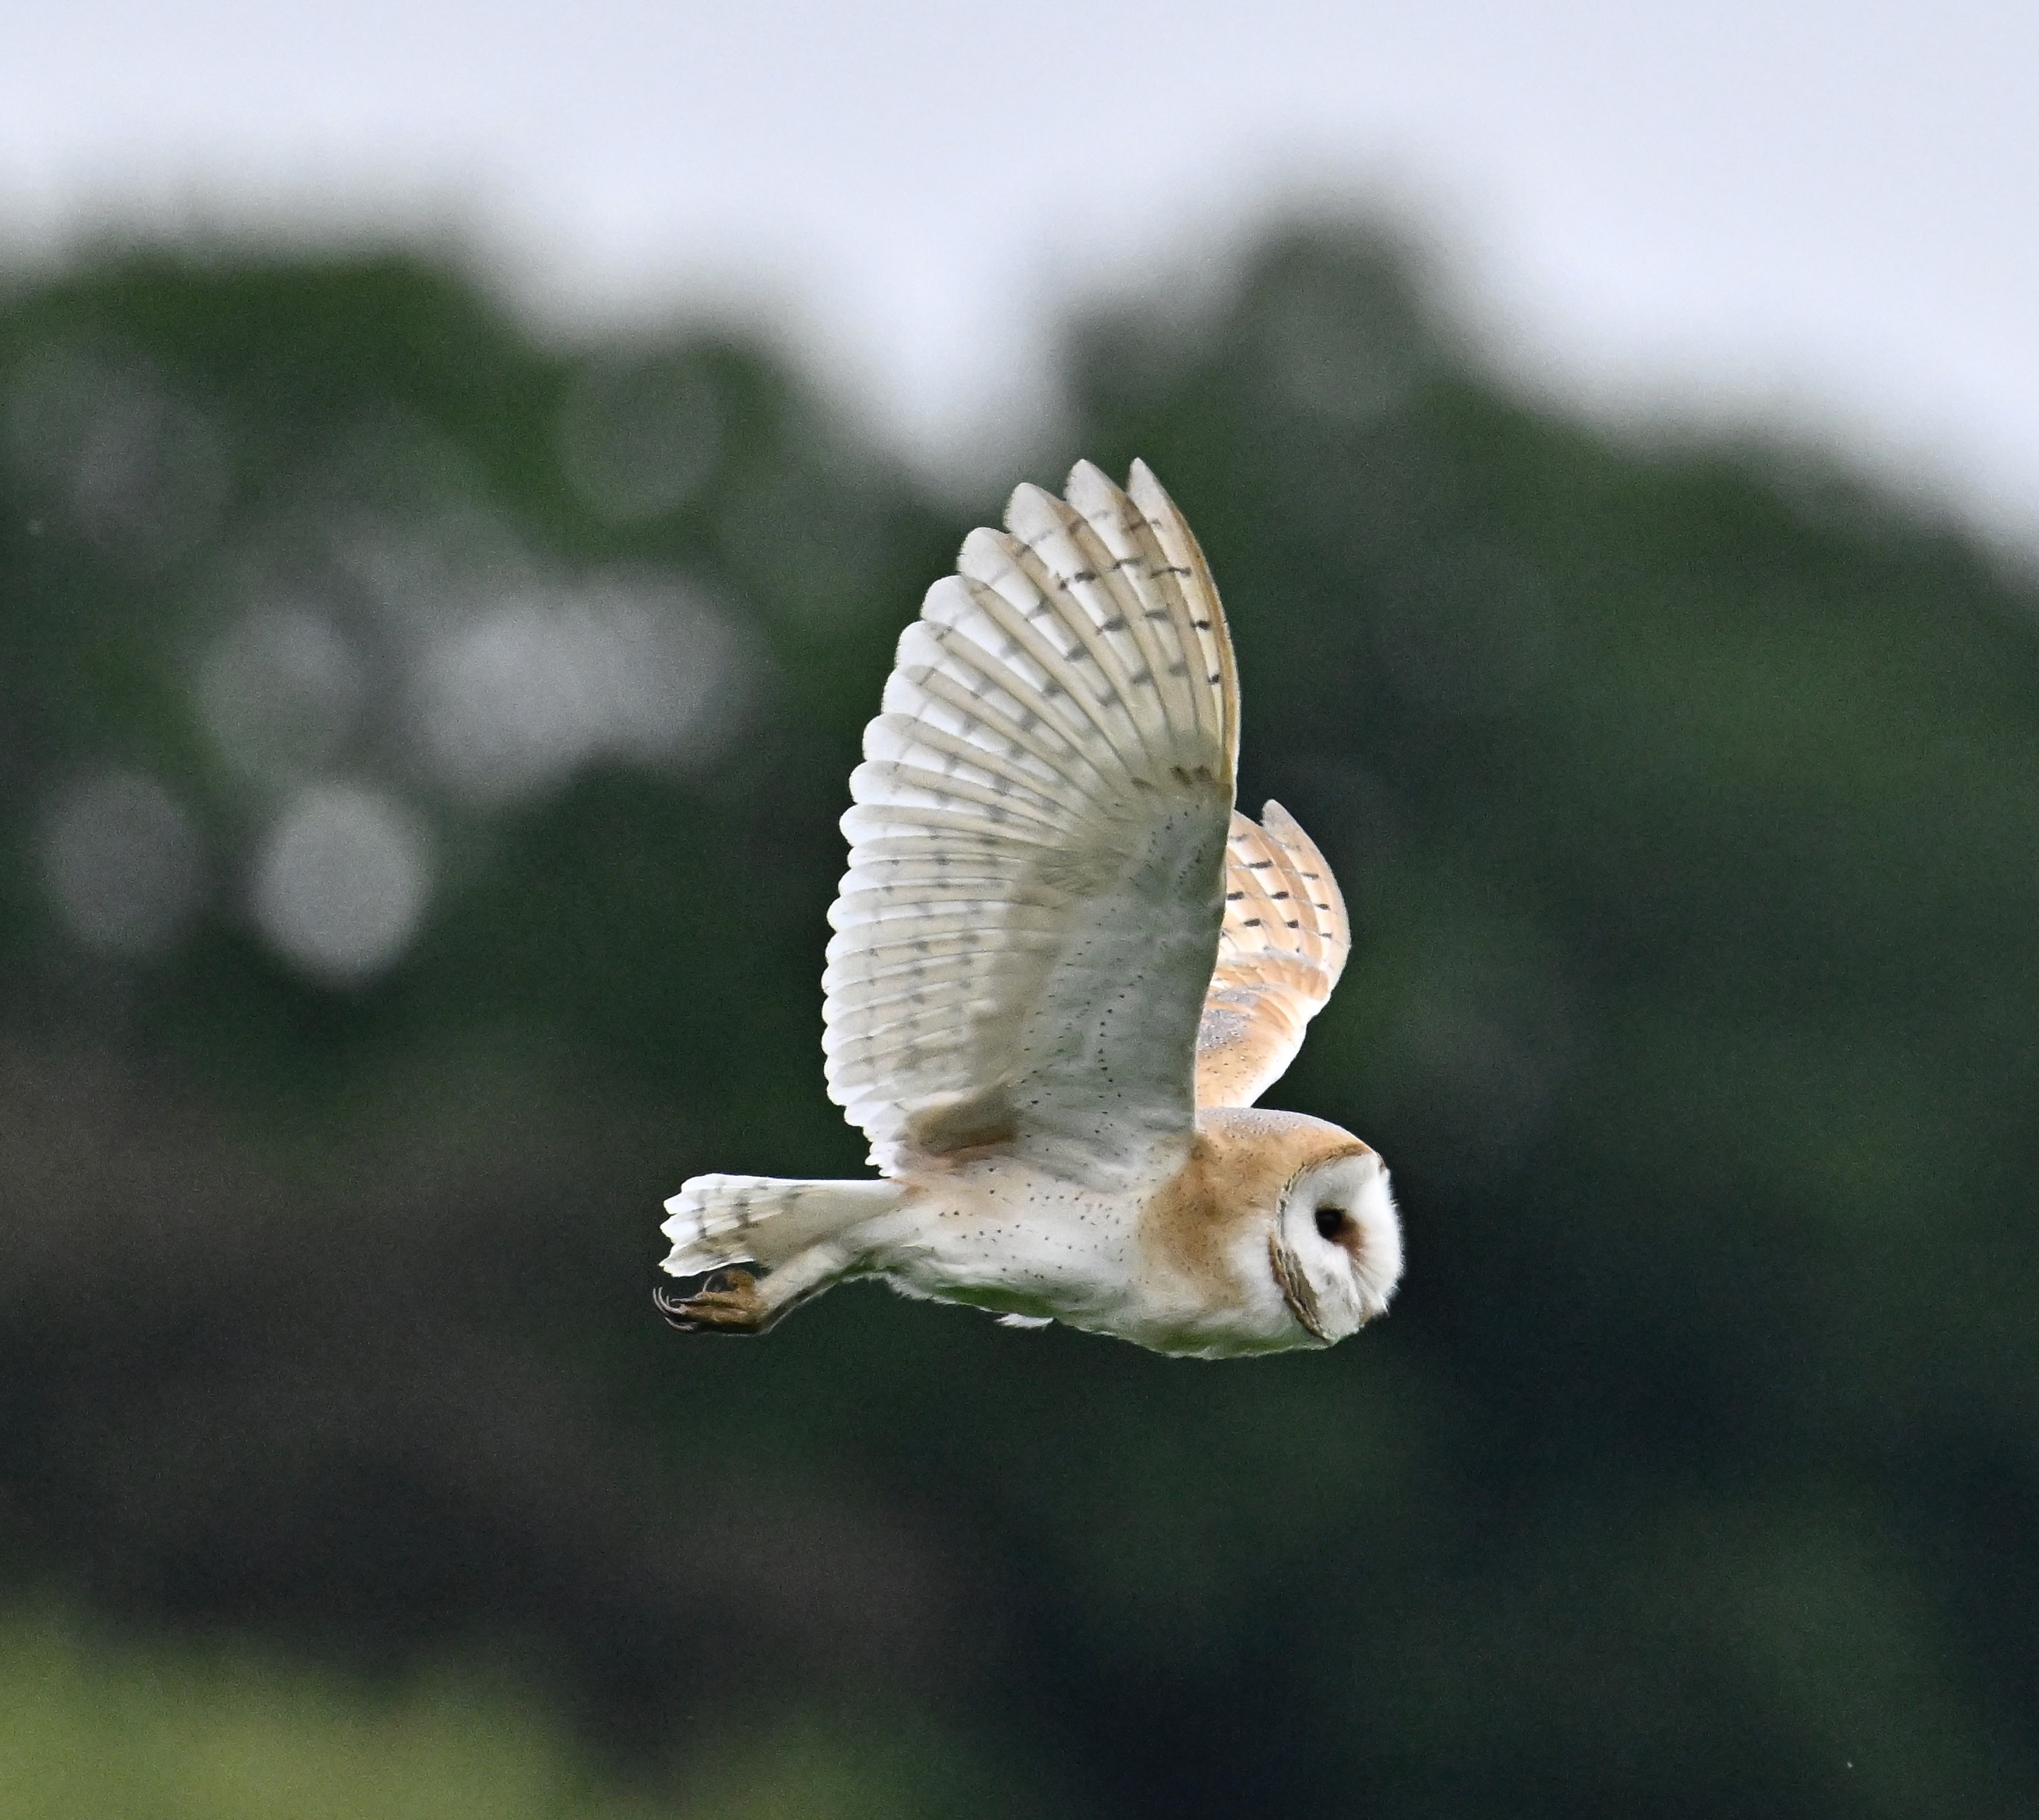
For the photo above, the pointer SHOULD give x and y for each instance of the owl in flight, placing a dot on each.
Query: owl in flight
(1064, 968)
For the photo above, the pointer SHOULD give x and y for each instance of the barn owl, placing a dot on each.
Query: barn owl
(1063, 969)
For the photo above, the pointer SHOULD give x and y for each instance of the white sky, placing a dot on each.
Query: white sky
(1801, 210)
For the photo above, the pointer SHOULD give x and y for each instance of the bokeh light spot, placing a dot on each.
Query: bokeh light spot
(519, 696)
(342, 881)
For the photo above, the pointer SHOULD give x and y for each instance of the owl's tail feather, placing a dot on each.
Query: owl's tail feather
(719, 1220)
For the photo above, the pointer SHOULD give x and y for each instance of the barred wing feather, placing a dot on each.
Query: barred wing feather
(1283, 945)
(1031, 914)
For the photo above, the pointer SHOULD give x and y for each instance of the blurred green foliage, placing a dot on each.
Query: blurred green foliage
(1687, 796)
(121, 1732)
(87, 1729)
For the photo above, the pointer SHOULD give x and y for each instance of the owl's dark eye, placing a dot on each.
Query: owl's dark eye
(1331, 1221)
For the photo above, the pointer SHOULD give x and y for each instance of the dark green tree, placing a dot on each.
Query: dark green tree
(1687, 796)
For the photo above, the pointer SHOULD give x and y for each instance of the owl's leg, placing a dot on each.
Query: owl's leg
(735, 1301)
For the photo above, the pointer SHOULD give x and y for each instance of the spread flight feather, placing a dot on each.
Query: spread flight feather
(1049, 894)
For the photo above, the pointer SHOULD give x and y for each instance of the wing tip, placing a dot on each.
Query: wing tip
(1028, 500)
(1086, 476)
(1144, 487)
(1280, 823)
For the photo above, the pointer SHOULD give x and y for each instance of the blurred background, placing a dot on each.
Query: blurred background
(460, 482)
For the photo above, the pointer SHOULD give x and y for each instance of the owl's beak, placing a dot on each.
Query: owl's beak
(1296, 1290)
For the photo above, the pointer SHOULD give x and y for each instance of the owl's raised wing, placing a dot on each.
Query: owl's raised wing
(1284, 945)
(1030, 916)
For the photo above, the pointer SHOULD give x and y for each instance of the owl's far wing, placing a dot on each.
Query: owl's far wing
(1030, 916)
(1285, 942)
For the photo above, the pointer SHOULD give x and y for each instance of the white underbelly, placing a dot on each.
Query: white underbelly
(1038, 1246)
(1021, 1244)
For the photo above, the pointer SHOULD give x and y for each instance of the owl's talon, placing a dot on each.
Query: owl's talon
(729, 1302)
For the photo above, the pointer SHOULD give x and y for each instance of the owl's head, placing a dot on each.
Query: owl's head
(1310, 1207)
(1335, 1246)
